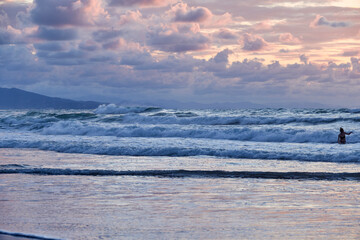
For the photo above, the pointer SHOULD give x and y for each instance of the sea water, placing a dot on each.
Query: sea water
(152, 173)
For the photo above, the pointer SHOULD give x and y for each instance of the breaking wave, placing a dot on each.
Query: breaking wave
(151, 131)
(186, 148)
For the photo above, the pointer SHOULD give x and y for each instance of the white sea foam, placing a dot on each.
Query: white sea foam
(143, 131)
(115, 109)
(190, 147)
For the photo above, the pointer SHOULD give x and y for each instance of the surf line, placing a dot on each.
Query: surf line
(328, 176)
(24, 235)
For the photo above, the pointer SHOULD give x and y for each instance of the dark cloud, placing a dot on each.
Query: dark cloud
(10, 35)
(136, 58)
(223, 56)
(115, 44)
(50, 46)
(66, 12)
(88, 45)
(355, 64)
(173, 64)
(56, 13)
(4, 20)
(6, 37)
(304, 58)
(63, 55)
(64, 58)
(322, 21)
(9, 12)
(217, 63)
(284, 50)
(105, 35)
(55, 34)
(226, 34)
(178, 42)
(136, 2)
(351, 53)
(199, 14)
(253, 43)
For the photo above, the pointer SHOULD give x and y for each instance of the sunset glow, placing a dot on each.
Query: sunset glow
(197, 50)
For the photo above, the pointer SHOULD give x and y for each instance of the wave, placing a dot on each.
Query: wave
(189, 174)
(5, 166)
(181, 148)
(114, 109)
(35, 120)
(234, 120)
(25, 235)
(258, 134)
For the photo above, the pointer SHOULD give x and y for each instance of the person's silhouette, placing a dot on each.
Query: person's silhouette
(341, 136)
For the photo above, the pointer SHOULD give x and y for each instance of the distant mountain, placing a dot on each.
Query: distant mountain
(13, 98)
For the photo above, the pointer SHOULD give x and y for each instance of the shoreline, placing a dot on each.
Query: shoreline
(5, 235)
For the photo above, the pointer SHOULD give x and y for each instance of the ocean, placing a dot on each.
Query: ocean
(120, 172)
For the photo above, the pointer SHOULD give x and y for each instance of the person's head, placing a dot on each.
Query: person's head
(341, 130)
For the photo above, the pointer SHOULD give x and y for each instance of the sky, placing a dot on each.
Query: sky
(206, 51)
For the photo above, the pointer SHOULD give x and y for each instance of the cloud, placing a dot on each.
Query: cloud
(288, 38)
(304, 58)
(4, 20)
(64, 58)
(223, 56)
(9, 13)
(136, 58)
(355, 64)
(284, 50)
(105, 35)
(264, 25)
(253, 43)
(10, 35)
(50, 46)
(6, 37)
(226, 34)
(115, 44)
(54, 34)
(88, 45)
(67, 12)
(130, 16)
(175, 40)
(322, 21)
(351, 53)
(183, 13)
(137, 2)
(218, 63)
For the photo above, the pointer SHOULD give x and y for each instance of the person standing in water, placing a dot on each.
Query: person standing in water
(341, 136)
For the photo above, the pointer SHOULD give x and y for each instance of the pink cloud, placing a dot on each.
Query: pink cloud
(253, 42)
(288, 38)
(351, 53)
(226, 34)
(115, 44)
(130, 16)
(173, 41)
(322, 21)
(183, 13)
(137, 2)
(68, 12)
(264, 25)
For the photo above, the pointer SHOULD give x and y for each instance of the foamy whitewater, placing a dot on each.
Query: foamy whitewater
(300, 134)
(119, 172)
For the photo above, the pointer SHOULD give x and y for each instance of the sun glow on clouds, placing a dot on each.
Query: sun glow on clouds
(208, 50)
